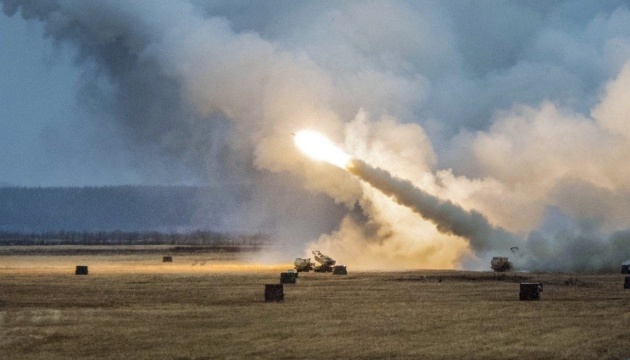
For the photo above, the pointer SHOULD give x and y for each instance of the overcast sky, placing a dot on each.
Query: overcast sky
(38, 88)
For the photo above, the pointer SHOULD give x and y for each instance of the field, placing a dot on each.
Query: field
(210, 305)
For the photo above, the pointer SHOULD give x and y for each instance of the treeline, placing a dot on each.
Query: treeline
(198, 238)
(110, 208)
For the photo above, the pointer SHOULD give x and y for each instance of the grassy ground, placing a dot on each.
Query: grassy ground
(136, 307)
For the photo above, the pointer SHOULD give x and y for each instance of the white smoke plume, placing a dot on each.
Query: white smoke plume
(448, 217)
(511, 117)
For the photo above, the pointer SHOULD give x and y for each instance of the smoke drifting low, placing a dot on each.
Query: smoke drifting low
(485, 124)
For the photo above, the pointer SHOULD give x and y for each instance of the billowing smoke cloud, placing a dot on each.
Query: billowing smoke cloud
(448, 217)
(508, 115)
(579, 251)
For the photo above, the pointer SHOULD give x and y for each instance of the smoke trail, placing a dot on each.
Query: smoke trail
(447, 216)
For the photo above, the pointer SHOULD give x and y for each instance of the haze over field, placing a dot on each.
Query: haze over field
(516, 111)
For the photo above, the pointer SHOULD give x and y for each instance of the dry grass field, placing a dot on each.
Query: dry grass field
(211, 306)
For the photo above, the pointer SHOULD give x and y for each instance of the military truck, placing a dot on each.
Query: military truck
(324, 263)
(500, 264)
(303, 265)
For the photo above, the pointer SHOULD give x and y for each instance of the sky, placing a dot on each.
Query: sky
(517, 110)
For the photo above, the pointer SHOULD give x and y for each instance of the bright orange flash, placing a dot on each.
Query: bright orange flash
(318, 147)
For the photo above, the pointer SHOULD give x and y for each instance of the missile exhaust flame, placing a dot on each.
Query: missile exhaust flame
(318, 147)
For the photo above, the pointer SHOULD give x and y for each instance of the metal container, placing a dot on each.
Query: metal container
(530, 291)
(274, 293)
(340, 270)
(81, 270)
(288, 277)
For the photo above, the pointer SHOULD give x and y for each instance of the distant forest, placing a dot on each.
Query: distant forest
(198, 238)
(112, 214)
